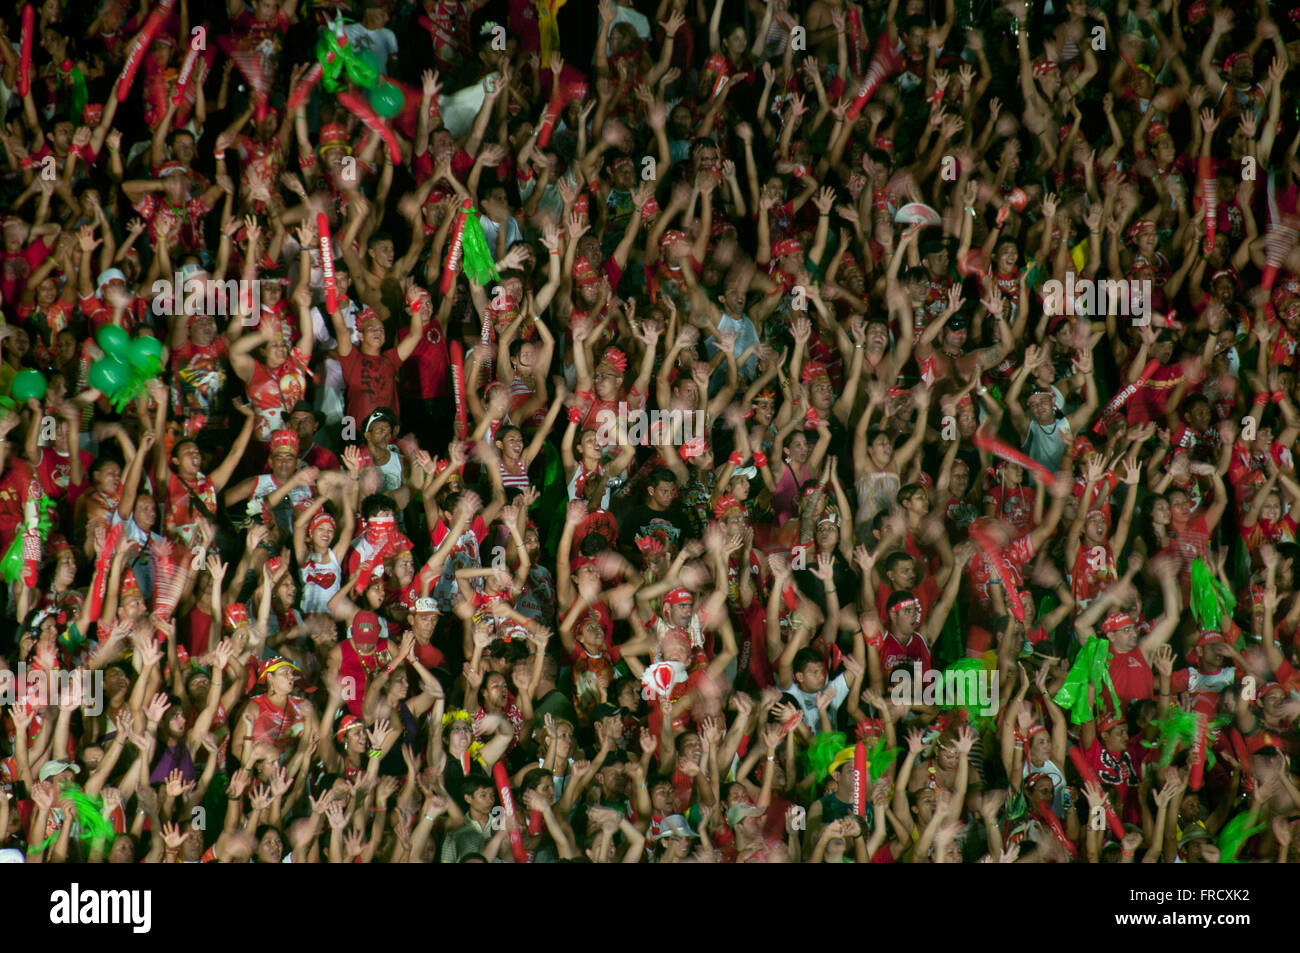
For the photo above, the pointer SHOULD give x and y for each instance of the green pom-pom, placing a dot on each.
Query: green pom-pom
(1211, 599)
(880, 759)
(1235, 833)
(825, 746)
(477, 260)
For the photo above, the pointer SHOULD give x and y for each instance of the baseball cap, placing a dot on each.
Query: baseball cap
(378, 414)
(607, 710)
(747, 472)
(107, 275)
(52, 768)
(365, 628)
(12, 855)
(1108, 721)
(738, 812)
(425, 606)
(675, 825)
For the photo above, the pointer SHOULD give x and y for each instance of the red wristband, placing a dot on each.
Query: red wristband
(735, 459)
(1261, 399)
(1278, 396)
(760, 459)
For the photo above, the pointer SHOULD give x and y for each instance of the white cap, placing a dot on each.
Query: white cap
(107, 275)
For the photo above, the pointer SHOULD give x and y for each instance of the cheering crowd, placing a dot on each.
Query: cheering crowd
(375, 558)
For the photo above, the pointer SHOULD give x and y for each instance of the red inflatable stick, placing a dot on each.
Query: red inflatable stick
(1119, 400)
(327, 263)
(1085, 771)
(884, 63)
(508, 805)
(1279, 241)
(355, 104)
(547, 126)
(1210, 196)
(25, 52)
(305, 86)
(457, 351)
(860, 779)
(1003, 451)
(855, 39)
(1045, 815)
(140, 45)
(99, 583)
(455, 250)
(979, 535)
(183, 80)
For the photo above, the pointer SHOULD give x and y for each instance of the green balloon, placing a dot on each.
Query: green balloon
(387, 100)
(113, 340)
(109, 375)
(28, 385)
(363, 68)
(146, 353)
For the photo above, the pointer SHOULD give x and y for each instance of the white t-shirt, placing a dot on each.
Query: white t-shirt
(382, 41)
(808, 700)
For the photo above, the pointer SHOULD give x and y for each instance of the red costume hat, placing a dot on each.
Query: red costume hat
(726, 503)
(584, 274)
(334, 135)
(284, 441)
(236, 615)
(615, 359)
(813, 369)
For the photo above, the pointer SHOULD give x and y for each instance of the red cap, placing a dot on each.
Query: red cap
(1108, 721)
(365, 628)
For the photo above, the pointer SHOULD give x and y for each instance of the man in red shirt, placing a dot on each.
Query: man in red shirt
(304, 421)
(370, 374)
(428, 376)
(1130, 651)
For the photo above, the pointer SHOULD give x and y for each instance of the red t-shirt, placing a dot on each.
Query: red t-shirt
(894, 653)
(1130, 672)
(432, 359)
(371, 382)
(55, 474)
(322, 458)
(14, 269)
